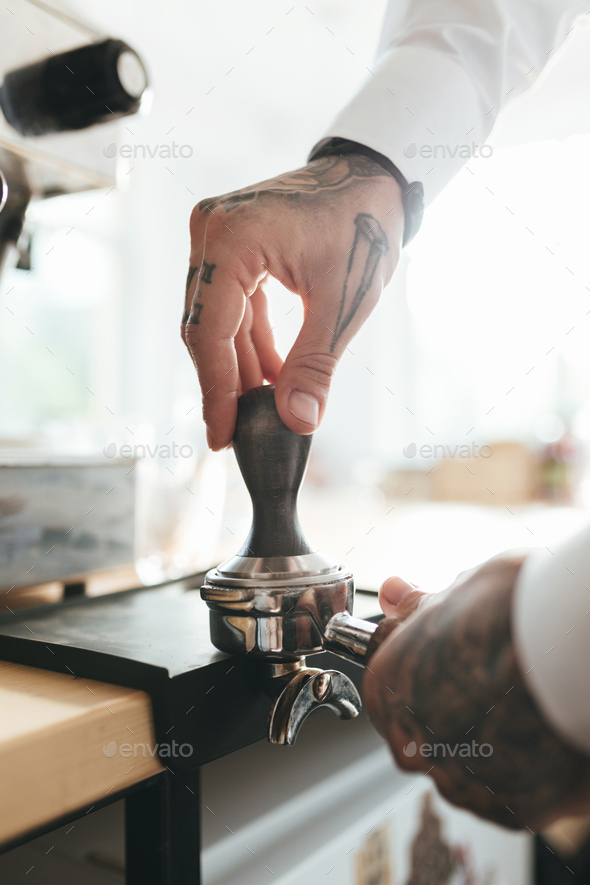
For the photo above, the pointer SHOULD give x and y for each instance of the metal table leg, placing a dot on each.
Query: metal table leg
(163, 832)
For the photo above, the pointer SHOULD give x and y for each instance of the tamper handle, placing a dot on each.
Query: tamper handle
(273, 461)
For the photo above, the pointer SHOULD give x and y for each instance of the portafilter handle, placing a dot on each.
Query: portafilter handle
(350, 637)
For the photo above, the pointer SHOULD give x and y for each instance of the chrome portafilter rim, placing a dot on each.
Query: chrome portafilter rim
(249, 572)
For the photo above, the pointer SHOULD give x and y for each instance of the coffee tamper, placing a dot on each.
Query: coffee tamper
(278, 599)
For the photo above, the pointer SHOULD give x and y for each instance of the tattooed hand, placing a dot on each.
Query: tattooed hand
(447, 682)
(330, 232)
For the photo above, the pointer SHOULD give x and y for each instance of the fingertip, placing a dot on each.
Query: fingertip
(393, 590)
(305, 409)
(223, 442)
(291, 421)
(299, 409)
(220, 435)
(217, 446)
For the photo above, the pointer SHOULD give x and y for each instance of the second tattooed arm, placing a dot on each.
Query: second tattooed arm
(447, 692)
(330, 232)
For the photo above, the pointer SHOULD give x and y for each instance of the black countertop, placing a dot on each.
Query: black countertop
(157, 639)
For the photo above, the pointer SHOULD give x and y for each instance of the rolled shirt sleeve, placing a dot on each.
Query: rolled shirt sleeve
(551, 630)
(443, 75)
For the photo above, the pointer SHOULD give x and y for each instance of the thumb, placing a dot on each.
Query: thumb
(400, 598)
(303, 385)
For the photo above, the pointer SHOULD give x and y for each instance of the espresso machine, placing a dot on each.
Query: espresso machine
(64, 86)
(279, 599)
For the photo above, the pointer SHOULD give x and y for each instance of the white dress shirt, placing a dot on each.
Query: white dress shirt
(445, 70)
(551, 626)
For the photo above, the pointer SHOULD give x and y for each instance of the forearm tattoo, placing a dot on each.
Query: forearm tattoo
(456, 682)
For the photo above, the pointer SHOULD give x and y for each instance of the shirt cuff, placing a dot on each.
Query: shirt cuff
(551, 624)
(421, 110)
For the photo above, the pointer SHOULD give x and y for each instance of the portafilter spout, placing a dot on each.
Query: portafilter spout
(279, 599)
